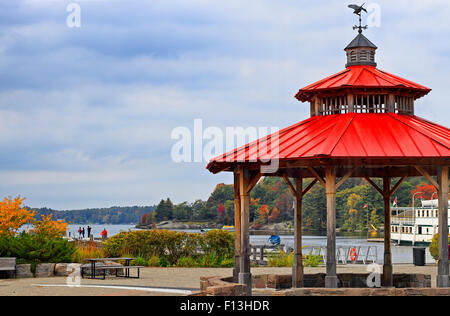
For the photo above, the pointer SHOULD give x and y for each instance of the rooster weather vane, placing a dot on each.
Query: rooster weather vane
(358, 11)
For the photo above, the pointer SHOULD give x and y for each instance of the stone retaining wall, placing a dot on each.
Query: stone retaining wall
(346, 280)
(350, 284)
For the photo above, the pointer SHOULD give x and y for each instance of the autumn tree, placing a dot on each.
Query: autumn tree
(274, 215)
(221, 212)
(48, 228)
(425, 191)
(264, 213)
(13, 216)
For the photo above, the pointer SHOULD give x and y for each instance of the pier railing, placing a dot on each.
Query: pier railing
(344, 255)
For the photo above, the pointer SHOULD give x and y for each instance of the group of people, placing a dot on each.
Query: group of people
(82, 232)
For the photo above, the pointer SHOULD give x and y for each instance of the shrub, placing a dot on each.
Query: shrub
(170, 246)
(153, 261)
(210, 260)
(434, 246)
(227, 263)
(88, 250)
(280, 259)
(187, 262)
(36, 249)
(164, 262)
(312, 260)
(219, 243)
(139, 261)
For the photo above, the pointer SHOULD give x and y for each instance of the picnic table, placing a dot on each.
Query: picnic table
(103, 268)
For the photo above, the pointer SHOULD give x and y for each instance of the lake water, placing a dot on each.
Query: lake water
(400, 254)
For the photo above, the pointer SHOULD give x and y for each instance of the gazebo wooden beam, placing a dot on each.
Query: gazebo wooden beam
(427, 175)
(331, 280)
(237, 226)
(290, 185)
(443, 267)
(309, 187)
(245, 276)
(297, 267)
(254, 178)
(397, 185)
(345, 177)
(387, 265)
(317, 176)
(373, 184)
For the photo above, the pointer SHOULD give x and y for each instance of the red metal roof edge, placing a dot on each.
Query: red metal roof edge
(305, 93)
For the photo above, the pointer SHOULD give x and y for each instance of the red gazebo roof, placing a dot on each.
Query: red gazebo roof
(351, 135)
(364, 76)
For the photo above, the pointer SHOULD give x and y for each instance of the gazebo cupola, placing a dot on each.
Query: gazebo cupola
(360, 52)
(361, 87)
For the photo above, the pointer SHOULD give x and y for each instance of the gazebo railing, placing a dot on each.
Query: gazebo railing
(363, 254)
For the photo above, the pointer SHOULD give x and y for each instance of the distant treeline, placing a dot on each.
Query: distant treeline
(112, 215)
(358, 205)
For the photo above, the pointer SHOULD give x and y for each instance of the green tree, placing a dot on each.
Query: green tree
(164, 210)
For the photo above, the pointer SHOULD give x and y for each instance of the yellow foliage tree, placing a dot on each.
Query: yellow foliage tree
(49, 228)
(12, 216)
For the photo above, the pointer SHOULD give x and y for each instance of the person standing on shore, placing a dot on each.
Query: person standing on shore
(79, 232)
(83, 232)
(89, 231)
(104, 234)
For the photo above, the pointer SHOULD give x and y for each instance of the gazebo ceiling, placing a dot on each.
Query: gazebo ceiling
(361, 77)
(347, 139)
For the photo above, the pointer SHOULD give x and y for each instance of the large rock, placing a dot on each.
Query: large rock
(24, 271)
(45, 270)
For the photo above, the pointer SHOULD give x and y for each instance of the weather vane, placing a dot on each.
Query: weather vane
(358, 11)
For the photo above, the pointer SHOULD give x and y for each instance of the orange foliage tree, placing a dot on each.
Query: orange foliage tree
(13, 216)
(264, 212)
(274, 215)
(49, 228)
(425, 191)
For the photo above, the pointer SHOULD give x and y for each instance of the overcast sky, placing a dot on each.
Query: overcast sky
(86, 113)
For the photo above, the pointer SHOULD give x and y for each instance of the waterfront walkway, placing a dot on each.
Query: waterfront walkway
(163, 281)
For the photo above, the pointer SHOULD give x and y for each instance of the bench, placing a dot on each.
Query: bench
(8, 264)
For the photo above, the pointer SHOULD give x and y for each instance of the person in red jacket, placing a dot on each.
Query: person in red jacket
(104, 233)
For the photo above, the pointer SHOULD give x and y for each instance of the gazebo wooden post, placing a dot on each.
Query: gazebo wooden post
(245, 276)
(387, 265)
(297, 268)
(443, 269)
(331, 280)
(237, 227)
